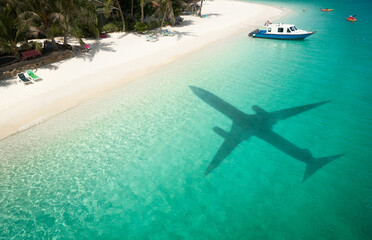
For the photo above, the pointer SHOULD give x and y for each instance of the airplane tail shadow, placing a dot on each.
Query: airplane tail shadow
(316, 164)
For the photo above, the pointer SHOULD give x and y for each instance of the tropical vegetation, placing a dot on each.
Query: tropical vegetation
(24, 20)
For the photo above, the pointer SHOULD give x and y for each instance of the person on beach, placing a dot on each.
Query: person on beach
(267, 23)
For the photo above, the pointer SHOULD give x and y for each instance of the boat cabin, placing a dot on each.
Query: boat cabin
(283, 29)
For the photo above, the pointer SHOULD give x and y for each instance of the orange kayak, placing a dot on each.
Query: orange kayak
(351, 19)
(327, 10)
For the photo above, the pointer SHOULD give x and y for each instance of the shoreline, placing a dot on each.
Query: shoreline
(120, 59)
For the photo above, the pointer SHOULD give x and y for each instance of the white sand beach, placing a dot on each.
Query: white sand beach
(116, 60)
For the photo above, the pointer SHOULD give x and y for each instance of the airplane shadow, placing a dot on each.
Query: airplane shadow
(259, 125)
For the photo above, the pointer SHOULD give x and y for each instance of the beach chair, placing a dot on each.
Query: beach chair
(87, 48)
(149, 32)
(33, 76)
(178, 20)
(168, 33)
(23, 78)
(151, 38)
(84, 47)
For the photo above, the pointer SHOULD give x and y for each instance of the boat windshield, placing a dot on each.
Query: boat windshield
(293, 28)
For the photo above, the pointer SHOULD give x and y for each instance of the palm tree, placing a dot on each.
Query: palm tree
(168, 12)
(201, 6)
(142, 4)
(65, 16)
(85, 18)
(74, 15)
(43, 17)
(12, 31)
(131, 9)
(108, 8)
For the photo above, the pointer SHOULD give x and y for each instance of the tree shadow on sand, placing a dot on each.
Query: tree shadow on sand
(185, 23)
(123, 35)
(212, 14)
(180, 35)
(8, 83)
(95, 48)
(51, 66)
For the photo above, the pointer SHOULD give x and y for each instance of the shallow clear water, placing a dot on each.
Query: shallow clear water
(130, 164)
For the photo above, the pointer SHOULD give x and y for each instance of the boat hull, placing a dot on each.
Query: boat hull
(263, 34)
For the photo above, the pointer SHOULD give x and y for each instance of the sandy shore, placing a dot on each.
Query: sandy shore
(119, 59)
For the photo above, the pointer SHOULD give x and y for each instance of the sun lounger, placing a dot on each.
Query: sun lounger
(84, 48)
(87, 47)
(33, 76)
(168, 33)
(151, 39)
(178, 20)
(23, 78)
(149, 32)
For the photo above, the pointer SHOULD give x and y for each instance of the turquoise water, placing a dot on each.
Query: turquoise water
(130, 164)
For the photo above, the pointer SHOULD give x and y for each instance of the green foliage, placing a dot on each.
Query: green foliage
(109, 4)
(167, 22)
(140, 27)
(26, 46)
(42, 16)
(31, 45)
(89, 23)
(77, 18)
(149, 9)
(55, 30)
(12, 31)
(119, 25)
(111, 27)
(177, 7)
(153, 25)
(129, 24)
(38, 46)
(50, 18)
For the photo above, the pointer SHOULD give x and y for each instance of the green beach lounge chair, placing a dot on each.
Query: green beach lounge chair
(32, 75)
(23, 78)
